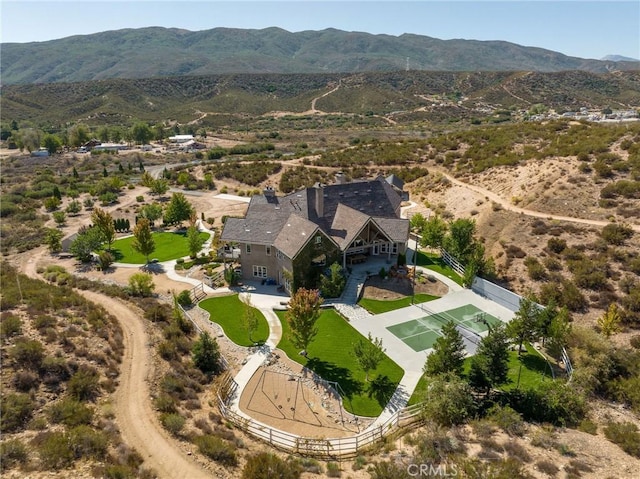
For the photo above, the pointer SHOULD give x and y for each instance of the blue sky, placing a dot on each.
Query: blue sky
(587, 29)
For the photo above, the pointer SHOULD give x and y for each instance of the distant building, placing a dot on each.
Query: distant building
(180, 138)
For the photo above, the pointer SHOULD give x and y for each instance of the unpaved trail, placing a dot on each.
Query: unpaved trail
(134, 412)
(537, 214)
(313, 102)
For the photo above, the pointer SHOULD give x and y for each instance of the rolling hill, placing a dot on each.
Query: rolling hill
(160, 52)
(399, 94)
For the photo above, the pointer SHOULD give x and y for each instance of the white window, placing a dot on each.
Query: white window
(279, 254)
(394, 248)
(248, 248)
(268, 250)
(318, 239)
(259, 271)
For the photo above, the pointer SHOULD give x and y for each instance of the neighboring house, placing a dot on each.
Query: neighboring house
(292, 239)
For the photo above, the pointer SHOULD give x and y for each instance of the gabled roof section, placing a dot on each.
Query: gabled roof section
(394, 181)
(294, 234)
(397, 229)
(347, 223)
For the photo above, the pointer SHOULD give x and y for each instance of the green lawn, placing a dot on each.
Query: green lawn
(228, 312)
(330, 356)
(168, 246)
(377, 306)
(534, 371)
(434, 262)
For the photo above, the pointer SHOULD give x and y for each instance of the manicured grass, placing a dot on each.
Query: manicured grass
(168, 246)
(535, 370)
(378, 306)
(433, 261)
(228, 312)
(330, 356)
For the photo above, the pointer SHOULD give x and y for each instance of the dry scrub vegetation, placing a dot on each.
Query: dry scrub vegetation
(60, 355)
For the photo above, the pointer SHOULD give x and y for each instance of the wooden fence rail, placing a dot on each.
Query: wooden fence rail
(344, 447)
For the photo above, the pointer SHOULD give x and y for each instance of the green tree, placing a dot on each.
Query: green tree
(448, 401)
(609, 322)
(417, 222)
(490, 365)
(146, 179)
(143, 241)
(51, 203)
(75, 173)
(558, 332)
(331, 286)
(31, 139)
(179, 209)
(141, 133)
(368, 354)
(87, 241)
(448, 353)
(193, 240)
(78, 135)
(524, 324)
(159, 187)
(103, 134)
(206, 354)
(104, 222)
(433, 232)
(56, 192)
(249, 317)
(303, 312)
(141, 284)
(151, 212)
(53, 240)
(460, 241)
(52, 143)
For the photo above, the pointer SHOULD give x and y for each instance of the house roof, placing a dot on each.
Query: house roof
(339, 210)
(294, 235)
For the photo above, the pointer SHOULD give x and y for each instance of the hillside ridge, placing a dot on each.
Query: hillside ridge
(160, 52)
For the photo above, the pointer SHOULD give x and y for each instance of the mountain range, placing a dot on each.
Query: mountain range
(163, 52)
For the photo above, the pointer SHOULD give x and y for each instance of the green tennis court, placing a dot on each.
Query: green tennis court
(420, 334)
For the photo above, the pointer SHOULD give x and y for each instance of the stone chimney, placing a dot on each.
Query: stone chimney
(340, 178)
(269, 192)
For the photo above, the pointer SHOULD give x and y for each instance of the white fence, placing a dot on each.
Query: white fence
(456, 265)
(497, 294)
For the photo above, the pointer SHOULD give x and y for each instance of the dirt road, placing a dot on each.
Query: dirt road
(537, 214)
(135, 416)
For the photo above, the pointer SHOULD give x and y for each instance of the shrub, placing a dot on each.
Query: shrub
(556, 245)
(588, 426)
(507, 419)
(184, 298)
(616, 234)
(635, 341)
(28, 353)
(625, 435)
(12, 453)
(172, 422)
(216, 449)
(11, 325)
(15, 411)
(547, 467)
(266, 465)
(535, 269)
(70, 412)
(448, 401)
(25, 381)
(84, 384)
(88, 443)
(517, 451)
(55, 451)
(141, 284)
(554, 402)
(333, 469)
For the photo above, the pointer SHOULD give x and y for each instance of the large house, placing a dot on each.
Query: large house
(292, 239)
